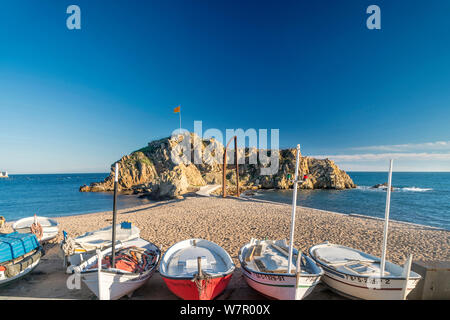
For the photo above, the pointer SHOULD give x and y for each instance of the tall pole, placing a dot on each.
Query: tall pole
(116, 180)
(294, 206)
(179, 113)
(386, 220)
(237, 165)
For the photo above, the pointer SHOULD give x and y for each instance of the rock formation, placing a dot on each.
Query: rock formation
(150, 171)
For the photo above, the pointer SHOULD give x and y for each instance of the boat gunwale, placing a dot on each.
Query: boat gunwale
(243, 265)
(324, 265)
(118, 271)
(215, 275)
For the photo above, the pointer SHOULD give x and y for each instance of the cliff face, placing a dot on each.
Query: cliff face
(152, 172)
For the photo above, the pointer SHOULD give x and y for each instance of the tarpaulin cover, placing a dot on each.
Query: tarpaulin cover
(14, 245)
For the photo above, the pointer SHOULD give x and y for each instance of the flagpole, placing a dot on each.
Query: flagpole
(180, 118)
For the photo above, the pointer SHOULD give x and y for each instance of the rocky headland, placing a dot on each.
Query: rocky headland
(151, 171)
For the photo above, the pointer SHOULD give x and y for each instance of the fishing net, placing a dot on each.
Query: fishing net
(131, 259)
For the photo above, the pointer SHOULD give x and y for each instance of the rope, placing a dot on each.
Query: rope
(37, 230)
(201, 282)
(68, 246)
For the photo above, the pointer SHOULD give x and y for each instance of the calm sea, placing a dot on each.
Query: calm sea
(54, 195)
(422, 198)
(418, 197)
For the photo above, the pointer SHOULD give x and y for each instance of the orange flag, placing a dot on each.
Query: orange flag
(177, 109)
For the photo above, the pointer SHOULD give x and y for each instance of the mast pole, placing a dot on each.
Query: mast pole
(294, 206)
(386, 221)
(116, 180)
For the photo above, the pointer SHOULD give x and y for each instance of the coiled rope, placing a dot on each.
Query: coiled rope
(37, 230)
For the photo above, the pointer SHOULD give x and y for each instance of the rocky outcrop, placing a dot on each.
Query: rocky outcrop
(152, 172)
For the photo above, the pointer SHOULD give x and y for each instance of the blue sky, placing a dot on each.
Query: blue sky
(77, 100)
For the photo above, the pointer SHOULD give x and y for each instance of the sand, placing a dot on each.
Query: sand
(230, 222)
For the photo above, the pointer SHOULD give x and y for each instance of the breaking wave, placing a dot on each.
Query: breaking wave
(404, 189)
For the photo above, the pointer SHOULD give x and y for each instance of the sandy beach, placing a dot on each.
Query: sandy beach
(231, 223)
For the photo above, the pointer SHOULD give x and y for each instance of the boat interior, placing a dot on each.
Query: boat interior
(352, 261)
(182, 259)
(272, 257)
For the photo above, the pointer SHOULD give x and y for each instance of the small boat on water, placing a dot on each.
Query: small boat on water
(135, 262)
(359, 275)
(83, 247)
(356, 274)
(196, 269)
(4, 174)
(267, 265)
(20, 253)
(265, 268)
(47, 228)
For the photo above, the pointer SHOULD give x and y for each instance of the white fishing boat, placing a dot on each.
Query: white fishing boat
(85, 246)
(196, 269)
(109, 283)
(127, 265)
(48, 229)
(267, 264)
(358, 275)
(19, 254)
(4, 174)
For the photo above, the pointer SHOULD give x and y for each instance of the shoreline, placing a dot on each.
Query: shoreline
(357, 215)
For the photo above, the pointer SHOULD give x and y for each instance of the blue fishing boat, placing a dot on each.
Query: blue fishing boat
(20, 253)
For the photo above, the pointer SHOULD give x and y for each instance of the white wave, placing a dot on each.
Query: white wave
(415, 189)
(404, 189)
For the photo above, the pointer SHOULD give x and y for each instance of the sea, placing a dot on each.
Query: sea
(418, 197)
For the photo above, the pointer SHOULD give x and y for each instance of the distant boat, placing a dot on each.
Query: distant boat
(49, 227)
(4, 174)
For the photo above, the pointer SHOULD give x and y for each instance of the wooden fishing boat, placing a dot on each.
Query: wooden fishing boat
(83, 247)
(265, 264)
(50, 227)
(196, 269)
(20, 253)
(356, 274)
(109, 283)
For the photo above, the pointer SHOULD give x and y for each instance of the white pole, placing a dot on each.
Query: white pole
(294, 206)
(99, 270)
(179, 113)
(406, 273)
(386, 221)
(298, 273)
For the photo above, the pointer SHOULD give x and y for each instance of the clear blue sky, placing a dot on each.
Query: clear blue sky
(77, 100)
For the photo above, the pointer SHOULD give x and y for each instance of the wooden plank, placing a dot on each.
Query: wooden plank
(249, 256)
(281, 250)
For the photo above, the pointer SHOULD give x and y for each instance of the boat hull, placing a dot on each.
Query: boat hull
(280, 287)
(217, 269)
(4, 281)
(366, 288)
(50, 227)
(359, 286)
(114, 286)
(186, 289)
